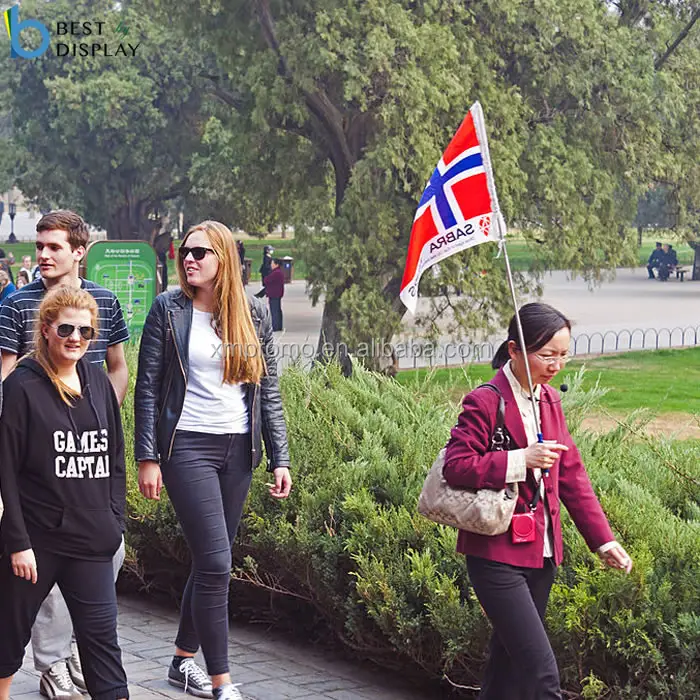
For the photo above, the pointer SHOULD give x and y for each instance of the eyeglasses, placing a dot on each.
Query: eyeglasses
(66, 330)
(198, 252)
(552, 359)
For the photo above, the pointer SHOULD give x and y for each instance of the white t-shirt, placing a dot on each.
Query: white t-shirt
(210, 405)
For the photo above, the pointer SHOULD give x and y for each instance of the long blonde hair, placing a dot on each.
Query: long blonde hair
(242, 354)
(55, 301)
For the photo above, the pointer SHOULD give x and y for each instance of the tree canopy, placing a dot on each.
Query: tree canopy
(111, 137)
(578, 97)
(331, 115)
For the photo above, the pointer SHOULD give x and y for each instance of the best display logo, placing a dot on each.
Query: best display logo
(14, 27)
(71, 37)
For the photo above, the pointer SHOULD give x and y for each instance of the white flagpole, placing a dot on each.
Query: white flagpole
(521, 336)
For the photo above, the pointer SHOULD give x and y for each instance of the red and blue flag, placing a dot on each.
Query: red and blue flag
(458, 207)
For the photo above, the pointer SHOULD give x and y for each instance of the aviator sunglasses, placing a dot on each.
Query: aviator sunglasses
(198, 252)
(65, 330)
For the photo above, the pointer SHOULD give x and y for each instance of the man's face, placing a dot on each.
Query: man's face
(26, 261)
(665, 247)
(54, 255)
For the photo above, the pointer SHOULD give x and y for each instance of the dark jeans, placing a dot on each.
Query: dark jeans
(276, 314)
(521, 664)
(208, 478)
(88, 589)
(650, 270)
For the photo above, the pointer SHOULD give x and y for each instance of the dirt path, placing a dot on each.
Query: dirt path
(680, 426)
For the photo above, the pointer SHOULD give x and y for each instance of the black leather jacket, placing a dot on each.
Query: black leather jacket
(161, 383)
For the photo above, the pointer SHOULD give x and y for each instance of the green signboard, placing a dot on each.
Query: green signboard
(128, 268)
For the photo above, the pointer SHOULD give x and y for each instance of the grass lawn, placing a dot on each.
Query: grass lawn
(18, 250)
(522, 256)
(664, 381)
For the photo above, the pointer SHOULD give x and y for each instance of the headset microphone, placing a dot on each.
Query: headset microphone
(564, 387)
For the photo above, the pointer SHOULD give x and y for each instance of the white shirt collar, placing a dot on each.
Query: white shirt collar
(515, 385)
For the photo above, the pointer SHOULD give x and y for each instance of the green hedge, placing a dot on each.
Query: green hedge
(367, 570)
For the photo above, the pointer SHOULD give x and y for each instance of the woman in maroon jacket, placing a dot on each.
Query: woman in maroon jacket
(512, 573)
(274, 288)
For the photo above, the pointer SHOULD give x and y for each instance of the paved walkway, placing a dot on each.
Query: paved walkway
(629, 301)
(268, 666)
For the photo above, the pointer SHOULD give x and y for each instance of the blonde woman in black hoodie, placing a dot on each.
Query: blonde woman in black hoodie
(63, 485)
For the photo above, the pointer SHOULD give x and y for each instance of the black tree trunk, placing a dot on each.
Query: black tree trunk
(696, 259)
(330, 345)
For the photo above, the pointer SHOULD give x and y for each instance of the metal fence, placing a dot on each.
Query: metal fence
(420, 354)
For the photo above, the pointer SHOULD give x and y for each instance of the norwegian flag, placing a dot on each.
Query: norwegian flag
(458, 209)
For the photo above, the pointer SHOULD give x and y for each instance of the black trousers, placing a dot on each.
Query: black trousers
(89, 592)
(276, 314)
(208, 478)
(521, 664)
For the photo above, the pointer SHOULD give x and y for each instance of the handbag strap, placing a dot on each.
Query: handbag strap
(500, 440)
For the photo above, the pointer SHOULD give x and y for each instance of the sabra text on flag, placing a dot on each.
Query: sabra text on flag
(459, 207)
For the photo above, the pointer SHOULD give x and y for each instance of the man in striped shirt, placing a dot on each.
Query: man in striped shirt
(61, 239)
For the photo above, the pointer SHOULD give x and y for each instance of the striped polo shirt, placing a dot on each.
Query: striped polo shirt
(19, 311)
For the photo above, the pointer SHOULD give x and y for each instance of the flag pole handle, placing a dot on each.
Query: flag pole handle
(521, 336)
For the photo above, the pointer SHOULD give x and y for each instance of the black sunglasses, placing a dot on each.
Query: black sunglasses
(65, 330)
(198, 252)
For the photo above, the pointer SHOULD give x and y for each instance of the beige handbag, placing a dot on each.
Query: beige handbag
(481, 511)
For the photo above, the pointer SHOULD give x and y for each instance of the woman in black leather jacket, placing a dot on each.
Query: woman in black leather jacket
(206, 392)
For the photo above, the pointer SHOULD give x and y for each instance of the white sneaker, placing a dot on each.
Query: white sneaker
(56, 683)
(75, 669)
(228, 692)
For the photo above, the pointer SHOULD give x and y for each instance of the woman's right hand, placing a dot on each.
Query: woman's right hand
(24, 564)
(150, 479)
(543, 455)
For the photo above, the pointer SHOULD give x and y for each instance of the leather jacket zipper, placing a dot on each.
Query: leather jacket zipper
(252, 415)
(255, 393)
(182, 369)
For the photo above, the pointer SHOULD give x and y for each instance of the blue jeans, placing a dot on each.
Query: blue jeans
(208, 478)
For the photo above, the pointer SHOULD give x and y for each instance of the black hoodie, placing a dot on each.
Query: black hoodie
(62, 475)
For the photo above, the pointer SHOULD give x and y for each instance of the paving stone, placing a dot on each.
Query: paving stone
(347, 695)
(273, 690)
(143, 694)
(156, 652)
(130, 635)
(268, 667)
(160, 685)
(247, 656)
(244, 674)
(277, 668)
(138, 648)
(24, 683)
(329, 686)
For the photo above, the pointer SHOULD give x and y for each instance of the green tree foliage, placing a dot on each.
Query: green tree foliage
(677, 174)
(371, 93)
(351, 550)
(111, 137)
